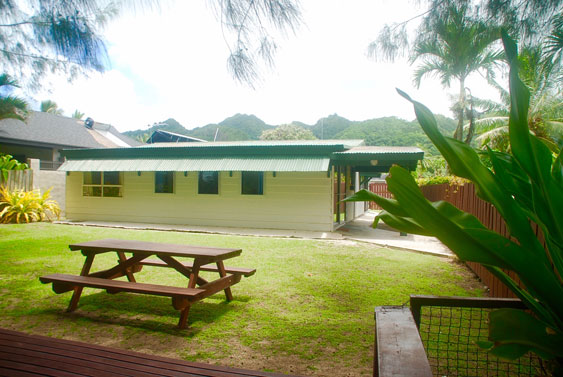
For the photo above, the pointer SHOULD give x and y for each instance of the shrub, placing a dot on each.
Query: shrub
(451, 180)
(19, 206)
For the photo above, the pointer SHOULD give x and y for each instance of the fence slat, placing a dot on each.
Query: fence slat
(18, 180)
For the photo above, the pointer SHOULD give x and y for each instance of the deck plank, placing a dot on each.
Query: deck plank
(32, 355)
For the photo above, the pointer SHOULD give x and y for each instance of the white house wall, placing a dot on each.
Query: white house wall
(301, 201)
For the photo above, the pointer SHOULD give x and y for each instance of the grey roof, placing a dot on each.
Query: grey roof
(167, 137)
(53, 130)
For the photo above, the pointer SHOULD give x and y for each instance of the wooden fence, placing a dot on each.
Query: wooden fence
(17, 179)
(380, 188)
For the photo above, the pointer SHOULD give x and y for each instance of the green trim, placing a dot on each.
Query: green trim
(211, 151)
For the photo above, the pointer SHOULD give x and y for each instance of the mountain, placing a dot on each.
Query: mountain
(236, 128)
(329, 127)
(387, 131)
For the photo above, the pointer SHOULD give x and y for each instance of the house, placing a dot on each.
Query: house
(161, 136)
(256, 184)
(44, 135)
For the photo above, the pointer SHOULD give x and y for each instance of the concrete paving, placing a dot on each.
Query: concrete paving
(359, 230)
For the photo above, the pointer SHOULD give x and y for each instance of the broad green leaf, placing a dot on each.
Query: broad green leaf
(390, 205)
(529, 300)
(557, 170)
(513, 326)
(465, 162)
(409, 196)
(402, 224)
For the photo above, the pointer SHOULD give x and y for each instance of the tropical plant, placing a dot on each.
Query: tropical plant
(77, 114)
(51, 107)
(19, 206)
(525, 186)
(11, 106)
(545, 116)
(7, 162)
(457, 46)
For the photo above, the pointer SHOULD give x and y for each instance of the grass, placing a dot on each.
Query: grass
(307, 310)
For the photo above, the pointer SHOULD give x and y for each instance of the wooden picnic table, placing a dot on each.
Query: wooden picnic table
(132, 256)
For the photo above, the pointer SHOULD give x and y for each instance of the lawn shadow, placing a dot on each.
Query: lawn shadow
(144, 311)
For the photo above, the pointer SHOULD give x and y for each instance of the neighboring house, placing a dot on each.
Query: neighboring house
(258, 184)
(161, 136)
(44, 135)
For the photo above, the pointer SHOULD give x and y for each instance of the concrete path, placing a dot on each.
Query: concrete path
(358, 230)
(361, 229)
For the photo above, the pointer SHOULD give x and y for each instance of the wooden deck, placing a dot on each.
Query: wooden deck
(31, 355)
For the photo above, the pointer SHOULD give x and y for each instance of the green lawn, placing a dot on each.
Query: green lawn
(308, 309)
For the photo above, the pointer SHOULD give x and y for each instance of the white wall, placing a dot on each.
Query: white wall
(301, 201)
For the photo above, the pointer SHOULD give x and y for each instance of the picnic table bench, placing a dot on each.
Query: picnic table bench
(204, 259)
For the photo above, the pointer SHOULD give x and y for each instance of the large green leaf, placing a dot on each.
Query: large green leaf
(475, 243)
(390, 205)
(513, 326)
(465, 162)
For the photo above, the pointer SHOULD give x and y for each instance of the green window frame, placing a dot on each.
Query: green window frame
(208, 182)
(252, 183)
(108, 184)
(164, 182)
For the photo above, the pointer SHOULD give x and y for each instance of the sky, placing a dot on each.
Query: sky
(171, 62)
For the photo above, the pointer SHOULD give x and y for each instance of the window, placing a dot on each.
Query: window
(208, 182)
(106, 184)
(164, 182)
(252, 183)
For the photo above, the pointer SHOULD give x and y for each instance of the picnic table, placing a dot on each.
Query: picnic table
(132, 256)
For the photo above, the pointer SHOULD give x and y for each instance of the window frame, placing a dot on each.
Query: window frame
(199, 180)
(173, 175)
(260, 174)
(102, 186)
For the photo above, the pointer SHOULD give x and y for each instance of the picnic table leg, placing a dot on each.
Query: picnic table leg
(223, 273)
(78, 290)
(128, 272)
(194, 275)
(184, 317)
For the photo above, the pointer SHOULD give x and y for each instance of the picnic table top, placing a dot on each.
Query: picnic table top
(144, 247)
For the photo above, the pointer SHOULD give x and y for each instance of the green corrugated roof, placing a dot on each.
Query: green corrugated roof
(278, 164)
(379, 153)
(319, 148)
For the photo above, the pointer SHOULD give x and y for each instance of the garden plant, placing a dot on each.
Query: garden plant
(19, 206)
(525, 186)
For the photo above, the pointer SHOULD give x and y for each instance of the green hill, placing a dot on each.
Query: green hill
(388, 131)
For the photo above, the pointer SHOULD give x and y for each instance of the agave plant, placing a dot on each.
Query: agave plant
(20, 206)
(525, 186)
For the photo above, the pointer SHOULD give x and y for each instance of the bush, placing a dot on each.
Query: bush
(451, 180)
(19, 206)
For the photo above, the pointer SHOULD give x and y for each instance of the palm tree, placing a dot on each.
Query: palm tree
(11, 107)
(545, 117)
(457, 46)
(78, 114)
(51, 107)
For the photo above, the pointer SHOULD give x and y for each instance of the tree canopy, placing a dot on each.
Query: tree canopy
(287, 132)
(41, 36)
(11, 107)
